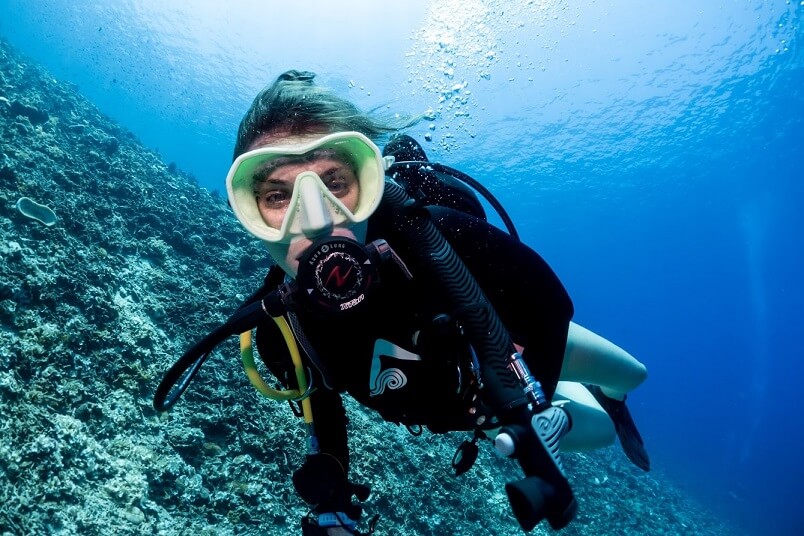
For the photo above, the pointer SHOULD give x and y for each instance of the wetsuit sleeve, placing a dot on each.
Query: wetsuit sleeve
(329, 414)
(526, 293)
(322, 480)
(330, 425)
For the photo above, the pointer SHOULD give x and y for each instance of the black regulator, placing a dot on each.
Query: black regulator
(337, 274)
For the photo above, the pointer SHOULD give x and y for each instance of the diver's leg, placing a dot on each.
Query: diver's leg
(591, 426)
(609, 373)
(589, 358)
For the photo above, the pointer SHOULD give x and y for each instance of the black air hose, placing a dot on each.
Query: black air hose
(471, 307)
(545, 491)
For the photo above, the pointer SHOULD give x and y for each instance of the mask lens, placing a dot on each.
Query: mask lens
(264, 193)
(276, 180)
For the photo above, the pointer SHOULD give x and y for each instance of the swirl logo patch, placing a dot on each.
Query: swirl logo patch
(390, 378)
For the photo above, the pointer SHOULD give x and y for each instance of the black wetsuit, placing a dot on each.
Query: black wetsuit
(371, 355)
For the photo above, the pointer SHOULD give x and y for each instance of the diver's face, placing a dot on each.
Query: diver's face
(274, 188)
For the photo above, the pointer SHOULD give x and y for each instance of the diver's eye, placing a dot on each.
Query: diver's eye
(274, 198)
(337, 186)
(339, 181)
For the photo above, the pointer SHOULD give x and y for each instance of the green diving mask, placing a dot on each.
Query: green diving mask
(303, 185)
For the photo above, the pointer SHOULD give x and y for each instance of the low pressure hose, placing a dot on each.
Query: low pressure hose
(545, 493)
(178, 377)
(479, 320)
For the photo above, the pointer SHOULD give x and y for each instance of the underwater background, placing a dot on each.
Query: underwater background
(651, 152)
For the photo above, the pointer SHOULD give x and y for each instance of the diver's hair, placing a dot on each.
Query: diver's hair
(295, 105)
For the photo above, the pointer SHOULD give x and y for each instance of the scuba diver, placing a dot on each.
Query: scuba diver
(390, 285)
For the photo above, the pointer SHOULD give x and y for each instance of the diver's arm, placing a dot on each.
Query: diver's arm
(330, 423)
(322, 480)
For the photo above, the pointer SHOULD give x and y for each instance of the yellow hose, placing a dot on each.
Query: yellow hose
(296, 395)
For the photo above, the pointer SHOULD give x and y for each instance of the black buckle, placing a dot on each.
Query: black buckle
(466, 454)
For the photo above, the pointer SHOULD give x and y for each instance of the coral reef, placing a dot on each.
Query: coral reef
(140, 264)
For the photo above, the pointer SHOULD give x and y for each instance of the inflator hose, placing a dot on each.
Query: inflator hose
(479, 320)
(545, 493)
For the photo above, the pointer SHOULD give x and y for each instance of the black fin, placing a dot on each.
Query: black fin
(624, 425)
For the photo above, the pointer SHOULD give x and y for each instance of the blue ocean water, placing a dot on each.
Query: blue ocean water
(651, 152)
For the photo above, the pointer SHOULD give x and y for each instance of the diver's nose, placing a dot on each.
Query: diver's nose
(314, 216)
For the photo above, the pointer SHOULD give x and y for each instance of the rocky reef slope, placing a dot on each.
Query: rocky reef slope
(93, 309)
